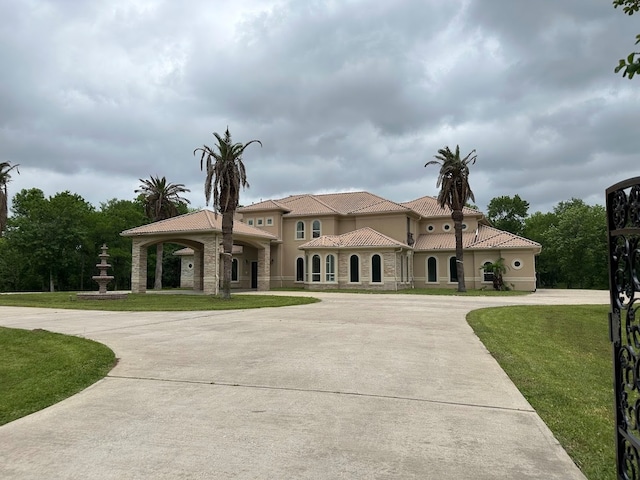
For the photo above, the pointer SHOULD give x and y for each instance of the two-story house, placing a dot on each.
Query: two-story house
(354, 240)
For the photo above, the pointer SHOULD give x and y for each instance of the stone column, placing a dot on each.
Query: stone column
(210, 265)
(197, 269)
(264, 267)
(138, 266)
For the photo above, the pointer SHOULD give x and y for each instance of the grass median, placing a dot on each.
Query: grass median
(40, 368)
(559, 357)
(151, 302)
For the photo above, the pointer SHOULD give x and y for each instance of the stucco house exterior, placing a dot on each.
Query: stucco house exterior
(354, 240)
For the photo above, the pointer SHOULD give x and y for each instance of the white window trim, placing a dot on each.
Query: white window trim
(449, 281)
(319, 228)
(269, 221)
(326, 271)
(513, 263)
(482, 280)
(250, 222)
(259, 222)
(319, 273)
(304, 230)
(445, 229)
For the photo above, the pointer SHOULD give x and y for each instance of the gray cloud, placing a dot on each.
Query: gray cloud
(343, 95)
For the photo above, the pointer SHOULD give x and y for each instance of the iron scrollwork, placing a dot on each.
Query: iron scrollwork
(623, 218)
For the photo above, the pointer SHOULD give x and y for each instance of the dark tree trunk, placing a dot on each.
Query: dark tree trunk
(157, 284)
(227, 248)
(457, 217)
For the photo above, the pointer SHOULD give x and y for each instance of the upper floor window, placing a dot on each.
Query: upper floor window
(269, 221)
(315, 229)
(300, 230)
(250, 222)
(260, 222)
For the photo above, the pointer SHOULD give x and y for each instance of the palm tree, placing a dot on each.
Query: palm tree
(225, 175)
(498, 269)
(455, 192)
(5, 168)
(161, 201)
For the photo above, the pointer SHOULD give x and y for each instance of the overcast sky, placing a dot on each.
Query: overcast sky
(344, 95)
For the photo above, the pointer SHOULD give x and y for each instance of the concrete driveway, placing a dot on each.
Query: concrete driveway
(353, 387)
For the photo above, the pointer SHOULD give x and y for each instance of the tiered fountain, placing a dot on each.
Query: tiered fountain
(102, 279)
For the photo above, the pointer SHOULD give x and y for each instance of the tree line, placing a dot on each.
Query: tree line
(52, 243)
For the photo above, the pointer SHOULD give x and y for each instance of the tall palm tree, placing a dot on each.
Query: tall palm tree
(5, 168)
(455, 192)
(161, 201)
(225, 175)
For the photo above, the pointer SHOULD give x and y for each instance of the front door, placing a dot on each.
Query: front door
(254, 274)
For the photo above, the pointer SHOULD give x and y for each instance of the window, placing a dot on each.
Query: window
(432, 270)
(517, 264)
(315, 227)
(464, 226)
(260, 222)
(300, 269)
(250, 221)
(487, 275)
(453, 270)
(330, 271)
(234, 270)
(430, 228)
(315, 268)
(376, 269)
(446, 227)
(300, 231)
(269, 221)
(354, 269)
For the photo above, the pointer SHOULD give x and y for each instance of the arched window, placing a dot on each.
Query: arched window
(300, 269)
(330, 270)
(315, 268)
(234, 270)
(315, 229)
(487, 275)
(300, 230)
(432, 270)
(354, 269)
(376, 269)
(453, 270)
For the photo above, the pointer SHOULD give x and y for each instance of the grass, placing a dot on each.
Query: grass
(151, 302)
(417, 291)
(560, 359)
(39, 368)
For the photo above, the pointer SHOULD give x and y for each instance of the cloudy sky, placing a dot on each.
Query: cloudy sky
(345, 95)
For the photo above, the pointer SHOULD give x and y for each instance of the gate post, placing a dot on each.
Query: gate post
(623, 227)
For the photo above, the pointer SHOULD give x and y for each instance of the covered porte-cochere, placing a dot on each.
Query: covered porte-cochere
(202, 232)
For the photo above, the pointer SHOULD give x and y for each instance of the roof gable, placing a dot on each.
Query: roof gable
(429, 207)
(484, 238)
(200, 221)
(363, 237)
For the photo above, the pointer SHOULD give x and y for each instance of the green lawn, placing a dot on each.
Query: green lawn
(418, 291)
(151, 302)
(560, 359)
(39, 368)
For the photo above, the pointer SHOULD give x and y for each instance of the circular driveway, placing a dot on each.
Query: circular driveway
(355, 386)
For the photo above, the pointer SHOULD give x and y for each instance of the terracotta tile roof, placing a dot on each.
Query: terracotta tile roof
(487, 237)
(363, 237)
(429, 207)
(348, 203)
(200, 221)
(263, 206)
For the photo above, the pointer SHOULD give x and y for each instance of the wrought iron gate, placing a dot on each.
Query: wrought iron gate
(623, 222)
